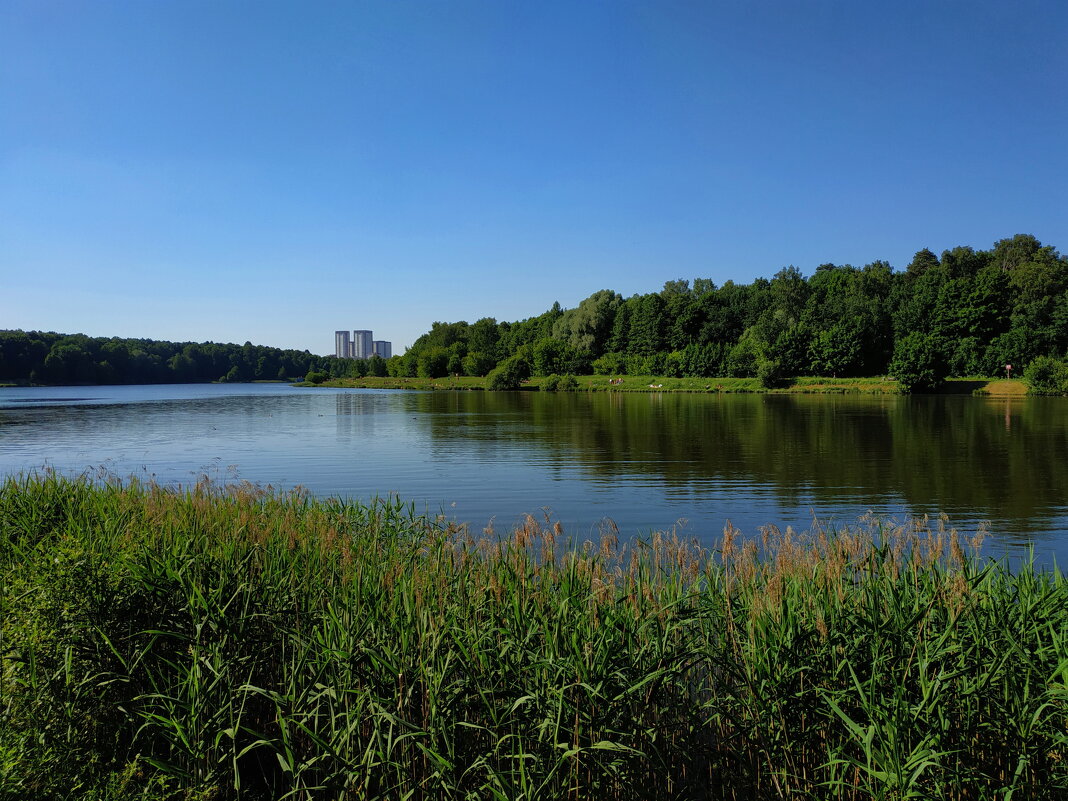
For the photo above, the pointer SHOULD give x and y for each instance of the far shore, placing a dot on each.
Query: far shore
(878, 385)
(805, 385)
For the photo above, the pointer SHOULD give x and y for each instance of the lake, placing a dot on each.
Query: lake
(645, 461)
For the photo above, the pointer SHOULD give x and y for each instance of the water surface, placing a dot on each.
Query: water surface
(647, 462)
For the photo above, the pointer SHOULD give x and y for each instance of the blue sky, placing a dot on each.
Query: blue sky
(269, 171)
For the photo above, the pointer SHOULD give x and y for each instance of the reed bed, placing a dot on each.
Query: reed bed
(233, 642)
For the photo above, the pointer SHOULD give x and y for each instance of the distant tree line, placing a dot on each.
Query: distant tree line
(49, 358)
(966, 312)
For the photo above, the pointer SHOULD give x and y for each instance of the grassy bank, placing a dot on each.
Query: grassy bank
(237, 643)
(599, 383)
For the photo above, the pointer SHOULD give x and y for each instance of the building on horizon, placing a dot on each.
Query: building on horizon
(361, 344)
(342, 345)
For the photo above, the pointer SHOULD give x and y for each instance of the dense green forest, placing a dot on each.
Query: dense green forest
(966, 312)
(49, 358)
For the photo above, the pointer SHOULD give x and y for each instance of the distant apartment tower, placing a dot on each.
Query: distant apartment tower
(361, 344)
(342, 345)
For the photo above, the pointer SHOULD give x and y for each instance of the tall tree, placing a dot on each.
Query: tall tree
(647, 326)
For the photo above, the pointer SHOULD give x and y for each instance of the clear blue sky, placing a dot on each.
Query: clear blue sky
(265, 171)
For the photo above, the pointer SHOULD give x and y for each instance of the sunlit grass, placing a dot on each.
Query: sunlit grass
(234, 642)
(801, 385)
(639, 383)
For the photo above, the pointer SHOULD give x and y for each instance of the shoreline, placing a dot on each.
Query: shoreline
(802, 385)
(805, 385)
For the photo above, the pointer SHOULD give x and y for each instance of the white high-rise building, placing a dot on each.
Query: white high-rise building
(361, 344)
(342, 345)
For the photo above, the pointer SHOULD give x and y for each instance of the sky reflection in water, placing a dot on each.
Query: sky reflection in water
(645, 461)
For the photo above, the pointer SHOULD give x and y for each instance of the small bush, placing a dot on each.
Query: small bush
(1047, 376)
(741, 361)
(559, 383)
(919, 364)
(652, 364)
(477, 364)
(610, 364)
(673, 364)
(770, 373)
(314, 377)
(509, 374)
(433, 363)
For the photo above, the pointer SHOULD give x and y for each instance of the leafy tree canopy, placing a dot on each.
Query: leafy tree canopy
(965, 312)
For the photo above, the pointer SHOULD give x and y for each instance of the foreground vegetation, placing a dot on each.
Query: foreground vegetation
(232, 642)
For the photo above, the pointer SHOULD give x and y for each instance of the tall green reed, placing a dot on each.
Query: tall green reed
(235, 642)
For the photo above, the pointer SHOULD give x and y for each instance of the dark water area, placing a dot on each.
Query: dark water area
(646, 462)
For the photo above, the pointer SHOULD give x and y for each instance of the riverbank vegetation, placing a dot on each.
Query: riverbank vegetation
(1047, 376)
(235, 642)
(965, 313)
(802, 385)
(38, 357)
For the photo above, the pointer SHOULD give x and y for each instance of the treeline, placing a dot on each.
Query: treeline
(966, 312)
(49, 358)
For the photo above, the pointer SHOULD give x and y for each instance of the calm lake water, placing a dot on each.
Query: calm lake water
(644, 461)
